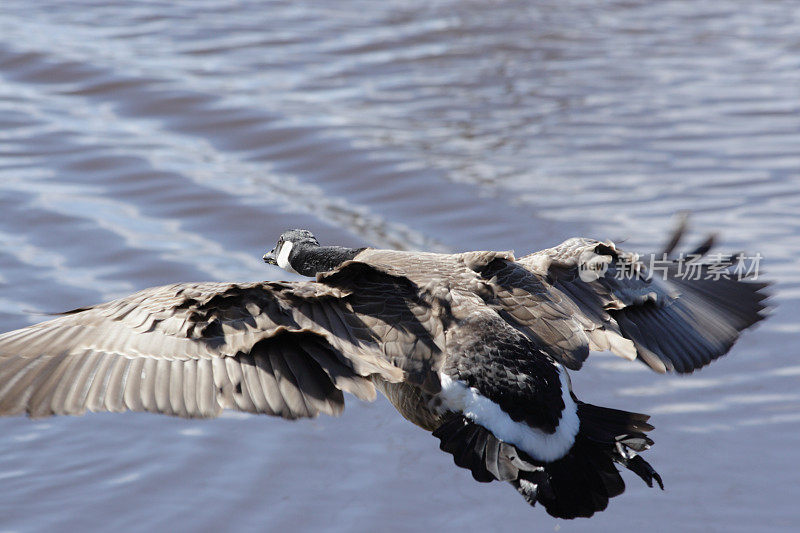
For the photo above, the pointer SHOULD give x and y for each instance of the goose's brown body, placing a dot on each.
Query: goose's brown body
(402, 322)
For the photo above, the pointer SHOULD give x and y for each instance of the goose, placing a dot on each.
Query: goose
(473, 347)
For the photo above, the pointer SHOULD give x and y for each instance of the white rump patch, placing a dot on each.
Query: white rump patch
(540, 445)
(283, 257)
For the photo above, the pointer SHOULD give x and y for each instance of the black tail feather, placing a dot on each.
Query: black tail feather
(578, 484)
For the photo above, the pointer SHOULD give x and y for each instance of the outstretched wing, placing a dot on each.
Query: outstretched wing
(588, 295)
(192, 350)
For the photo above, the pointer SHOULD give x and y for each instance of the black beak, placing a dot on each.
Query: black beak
(270, 258)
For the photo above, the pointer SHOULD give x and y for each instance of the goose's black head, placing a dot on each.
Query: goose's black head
(289, 244)
(299, 252)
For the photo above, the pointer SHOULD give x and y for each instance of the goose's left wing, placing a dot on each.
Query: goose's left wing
(280, 348)
(583, 295)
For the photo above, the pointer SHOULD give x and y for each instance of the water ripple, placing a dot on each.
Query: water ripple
(149, 142)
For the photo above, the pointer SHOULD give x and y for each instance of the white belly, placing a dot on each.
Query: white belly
(457, 396)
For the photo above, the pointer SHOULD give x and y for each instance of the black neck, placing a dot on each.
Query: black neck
(308, 260)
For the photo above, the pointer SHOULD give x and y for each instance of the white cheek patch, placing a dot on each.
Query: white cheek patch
(283, 257)
(542, 446)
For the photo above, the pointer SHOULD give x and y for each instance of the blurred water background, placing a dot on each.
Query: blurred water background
(148, 142)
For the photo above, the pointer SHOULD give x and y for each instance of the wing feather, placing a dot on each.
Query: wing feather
(189, 384)
(176, 399)
(269, 385)
(115, 400)
(131, 386)
(148, 384)
(75, 402)
(252, 382)
(192, 350)
(670, 321)
(99, 384)
(287, 385)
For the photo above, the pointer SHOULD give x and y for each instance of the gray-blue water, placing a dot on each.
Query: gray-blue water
(144, 143)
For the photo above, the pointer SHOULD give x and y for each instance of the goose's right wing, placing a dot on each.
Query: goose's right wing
(286, 349)
(586, 294)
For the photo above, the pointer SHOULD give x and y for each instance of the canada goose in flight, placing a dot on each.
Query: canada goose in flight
(473, 346)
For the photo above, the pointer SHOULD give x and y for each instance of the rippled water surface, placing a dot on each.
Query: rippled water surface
(144, 143)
